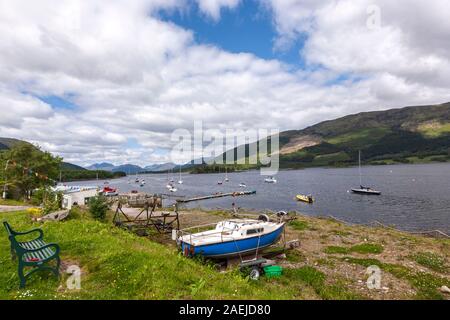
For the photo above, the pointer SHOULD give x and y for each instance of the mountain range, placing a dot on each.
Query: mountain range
(406, 135)
(131, 168)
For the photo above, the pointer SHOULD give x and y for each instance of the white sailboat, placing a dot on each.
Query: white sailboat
(179, 178)
(362, 189)
(226, 175)
(270, 180)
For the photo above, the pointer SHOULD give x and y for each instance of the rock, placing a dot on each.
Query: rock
(281, 256)
(55, 216)
(385, 289)
(445, 289)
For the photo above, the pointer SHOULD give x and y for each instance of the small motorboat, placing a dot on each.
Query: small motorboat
(305, 198)
(366, 190)
(173, 189)
(230, 238)
(109, 192)
(219, 182)
(270, 180)
(242, 185)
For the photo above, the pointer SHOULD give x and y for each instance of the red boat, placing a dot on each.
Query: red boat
(108, 191)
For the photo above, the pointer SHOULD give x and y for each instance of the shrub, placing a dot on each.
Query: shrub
(34, 213)
(98, 207)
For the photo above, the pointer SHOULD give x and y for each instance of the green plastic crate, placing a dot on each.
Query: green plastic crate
(273, 271)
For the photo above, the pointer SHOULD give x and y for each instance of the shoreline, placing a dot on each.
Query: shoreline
(330, 263)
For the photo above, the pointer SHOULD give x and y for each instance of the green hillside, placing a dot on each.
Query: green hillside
(407, 135)
(8, 143)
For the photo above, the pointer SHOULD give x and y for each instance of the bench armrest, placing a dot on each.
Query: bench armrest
(49, 245)
(41, 233)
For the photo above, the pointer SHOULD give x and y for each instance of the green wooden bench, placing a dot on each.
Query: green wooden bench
(35, 253)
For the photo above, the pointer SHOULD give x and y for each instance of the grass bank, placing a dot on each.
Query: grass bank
(330, 264)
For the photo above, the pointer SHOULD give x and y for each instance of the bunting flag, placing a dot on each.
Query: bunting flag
(31, 171)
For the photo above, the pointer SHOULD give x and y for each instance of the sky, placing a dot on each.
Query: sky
(99, 80)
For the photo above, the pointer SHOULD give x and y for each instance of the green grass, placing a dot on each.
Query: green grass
(10, 202)
(317, 280)
(361, 138)
(325, 159)
(431, 261)
(426, 284)
(435, 131)
(364, 248)
(299, 225)
(119, 265)
(295, 256)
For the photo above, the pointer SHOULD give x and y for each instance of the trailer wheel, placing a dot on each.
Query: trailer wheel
(255, 273)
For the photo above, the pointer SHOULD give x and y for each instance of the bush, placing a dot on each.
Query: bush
(49, 200)
(98, 207)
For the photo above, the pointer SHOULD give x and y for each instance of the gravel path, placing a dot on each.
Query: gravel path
(12, 208)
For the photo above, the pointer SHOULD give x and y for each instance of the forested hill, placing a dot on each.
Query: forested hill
(407, 135)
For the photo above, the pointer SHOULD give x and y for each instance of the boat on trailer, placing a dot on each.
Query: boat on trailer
(230, 238)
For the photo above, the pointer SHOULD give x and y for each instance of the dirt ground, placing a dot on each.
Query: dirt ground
(329, 246)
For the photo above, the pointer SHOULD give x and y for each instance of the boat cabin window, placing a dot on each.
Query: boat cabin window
(254, 231)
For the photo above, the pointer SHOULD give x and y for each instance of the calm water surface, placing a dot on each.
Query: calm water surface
(415, 197)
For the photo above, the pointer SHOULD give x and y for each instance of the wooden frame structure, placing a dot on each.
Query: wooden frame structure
(163, 222)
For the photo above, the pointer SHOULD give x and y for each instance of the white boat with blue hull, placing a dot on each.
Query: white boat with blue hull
(230, 238)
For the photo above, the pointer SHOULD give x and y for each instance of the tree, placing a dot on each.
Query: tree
(98, 207)
(28, 168)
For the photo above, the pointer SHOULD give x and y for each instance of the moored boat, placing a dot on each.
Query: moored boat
(366, 190)
(270, 180)
(305, 198)
(230, 238)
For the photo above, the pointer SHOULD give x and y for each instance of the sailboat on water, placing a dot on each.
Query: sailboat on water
(362, 189)
(226, 175)
(179, 178)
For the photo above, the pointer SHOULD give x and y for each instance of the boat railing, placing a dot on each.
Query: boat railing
(192, 232)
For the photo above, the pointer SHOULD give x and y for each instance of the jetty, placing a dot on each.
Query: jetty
(217, 195)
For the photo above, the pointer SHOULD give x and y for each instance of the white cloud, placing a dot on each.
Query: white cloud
(212, 7)
(136, 77)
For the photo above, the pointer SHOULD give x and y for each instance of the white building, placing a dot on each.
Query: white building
(78, 196)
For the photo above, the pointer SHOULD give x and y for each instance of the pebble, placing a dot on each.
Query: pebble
(445, 289)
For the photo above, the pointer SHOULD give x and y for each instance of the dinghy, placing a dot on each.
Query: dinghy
(305, 198)
(242, 185)
(230, 238)
(270, 180)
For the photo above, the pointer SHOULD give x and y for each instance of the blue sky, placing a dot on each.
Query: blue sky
(247, 28)
(110, 80)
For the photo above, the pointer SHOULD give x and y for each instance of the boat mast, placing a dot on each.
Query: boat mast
(360, 174)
